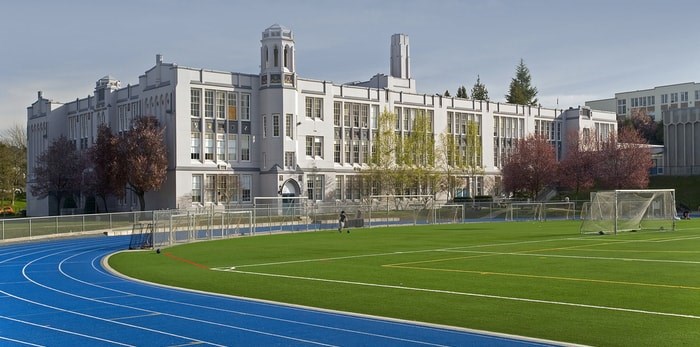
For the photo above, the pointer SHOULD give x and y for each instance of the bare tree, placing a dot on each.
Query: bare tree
(58, 172)
(144, 155)
(107, 176)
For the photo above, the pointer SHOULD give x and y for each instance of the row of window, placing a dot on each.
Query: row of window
(644, 101)
(219, 104)
(288, 125)
(223, 147)
(221, 189)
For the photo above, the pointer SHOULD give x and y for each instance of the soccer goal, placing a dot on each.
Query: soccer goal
(401, 209)
(141, 236)
(610, 212)
(540, 211)
(286, 213)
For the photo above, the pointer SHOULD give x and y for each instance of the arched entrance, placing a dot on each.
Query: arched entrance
(288, 190)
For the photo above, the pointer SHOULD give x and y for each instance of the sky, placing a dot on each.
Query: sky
(576, 51)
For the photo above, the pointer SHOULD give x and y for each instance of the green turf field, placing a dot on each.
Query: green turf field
(537, 279)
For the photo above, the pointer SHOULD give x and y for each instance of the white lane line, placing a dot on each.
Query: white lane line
(60, 268)
(24, 273)
(20, 342)
(510, 298)
(64, 331)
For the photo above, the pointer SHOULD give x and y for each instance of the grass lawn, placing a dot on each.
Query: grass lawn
(537, 279)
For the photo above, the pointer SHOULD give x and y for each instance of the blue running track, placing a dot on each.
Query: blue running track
(56, 293)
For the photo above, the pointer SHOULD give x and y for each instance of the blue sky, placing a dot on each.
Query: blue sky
(575, 50)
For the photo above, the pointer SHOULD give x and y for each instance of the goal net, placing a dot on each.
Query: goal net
(540, 211)
(287, 213)
(402, 209)
(629, 210)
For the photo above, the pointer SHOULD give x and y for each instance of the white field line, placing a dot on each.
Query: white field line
(450, 292)
(450, 249)
(572, 257)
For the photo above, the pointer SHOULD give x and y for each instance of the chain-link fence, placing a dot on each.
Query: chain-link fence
(169, 227)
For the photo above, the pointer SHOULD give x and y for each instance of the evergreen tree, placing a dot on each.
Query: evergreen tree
(447, 93)
(462, 92)
(479, 91)
(521, 91)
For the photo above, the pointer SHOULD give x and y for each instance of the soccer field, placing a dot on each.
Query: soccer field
(536, 279)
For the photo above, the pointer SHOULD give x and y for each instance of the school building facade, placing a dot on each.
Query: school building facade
(234, 136)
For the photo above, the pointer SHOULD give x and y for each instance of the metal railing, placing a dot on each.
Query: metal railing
(178, 226)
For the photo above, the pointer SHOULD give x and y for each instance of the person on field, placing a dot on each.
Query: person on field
(341, 221)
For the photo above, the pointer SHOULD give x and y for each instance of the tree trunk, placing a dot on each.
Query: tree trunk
(142, 200)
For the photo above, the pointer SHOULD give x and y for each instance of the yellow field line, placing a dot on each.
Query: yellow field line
(547, 277)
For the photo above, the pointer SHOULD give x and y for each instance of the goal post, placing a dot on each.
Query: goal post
(610, 212)
(401, 209)
(280, 213)
(540, 211)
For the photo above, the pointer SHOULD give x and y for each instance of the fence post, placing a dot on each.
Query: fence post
(83, 227)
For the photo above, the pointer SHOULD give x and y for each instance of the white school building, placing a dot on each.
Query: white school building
(234, 136)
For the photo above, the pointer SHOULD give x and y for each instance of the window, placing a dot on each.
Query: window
(347, 150)
(209, 186)
(684, 96)
(356, 152)
(374, 117)
(318, 108)
(220, 104)
(195, 102)
(209, 146)
(246, 187)
(231, 106)
(245, 106)
(196, 188)
(264, 125)
(338, 187)
(356, 115)
(314, 107)
(314, 186)
(275, 125)
(650, 100)
(697, 95)
(346, 114)
(674, 97)
(365, 151)
(364, 116)
(336, 113)
(220, 147)
(222, 189)
(289, 161)
(664, 98)
(245, 147)
(621, 106)
(289, 125)
(196, 146)
(232, 150)
(397, 111)
(209, 103)
(233, 188)
(336, 151)
(314, 146)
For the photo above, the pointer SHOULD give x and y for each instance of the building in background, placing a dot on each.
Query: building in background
(234, 136)
(654, 101)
